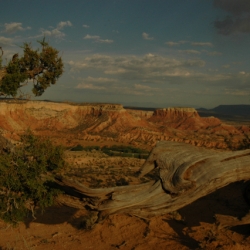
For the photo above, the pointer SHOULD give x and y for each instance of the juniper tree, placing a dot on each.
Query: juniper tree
(41, 67)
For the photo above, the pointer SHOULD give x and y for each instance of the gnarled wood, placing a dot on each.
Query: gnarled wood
(186, 173)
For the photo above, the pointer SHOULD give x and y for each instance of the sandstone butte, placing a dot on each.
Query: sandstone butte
(71, 122)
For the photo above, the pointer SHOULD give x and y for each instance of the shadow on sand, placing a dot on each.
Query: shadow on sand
(226, 201)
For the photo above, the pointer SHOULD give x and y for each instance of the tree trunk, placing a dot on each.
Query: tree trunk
(186, 173)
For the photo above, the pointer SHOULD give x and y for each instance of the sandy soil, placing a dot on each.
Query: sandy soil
(192, 227)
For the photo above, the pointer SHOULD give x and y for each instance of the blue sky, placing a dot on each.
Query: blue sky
(154, 53)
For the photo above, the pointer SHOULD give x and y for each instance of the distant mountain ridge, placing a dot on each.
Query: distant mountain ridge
(242, 110)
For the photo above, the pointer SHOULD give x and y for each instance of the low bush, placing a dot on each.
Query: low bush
(26, 177)
(125, 151)
(81, 148)
(116, 150)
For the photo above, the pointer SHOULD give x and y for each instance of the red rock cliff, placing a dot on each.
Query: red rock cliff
(111, 122)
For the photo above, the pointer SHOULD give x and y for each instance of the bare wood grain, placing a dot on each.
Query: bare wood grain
(186, 173)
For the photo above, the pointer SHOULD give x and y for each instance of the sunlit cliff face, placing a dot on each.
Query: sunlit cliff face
(113, 123)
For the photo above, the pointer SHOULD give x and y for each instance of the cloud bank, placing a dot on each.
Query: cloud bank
(57, 32)
(153, 75)
(14, 27)
(144, 67)
(5, 40)
(238, 20)
(97, 39)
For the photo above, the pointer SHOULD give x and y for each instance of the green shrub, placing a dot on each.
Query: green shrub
(125, 151)
(81, 148)
(26, 175)
(77, 148)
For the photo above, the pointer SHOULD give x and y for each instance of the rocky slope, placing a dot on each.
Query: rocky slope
(111, 122)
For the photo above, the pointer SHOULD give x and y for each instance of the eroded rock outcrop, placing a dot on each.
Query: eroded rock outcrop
(111, 122)
(183, 118)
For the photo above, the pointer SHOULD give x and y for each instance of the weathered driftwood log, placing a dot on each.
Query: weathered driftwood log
(186, 173)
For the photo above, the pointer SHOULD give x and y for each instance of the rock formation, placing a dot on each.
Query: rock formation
(111, 122)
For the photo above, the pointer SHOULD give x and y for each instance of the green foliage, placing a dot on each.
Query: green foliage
(77, 148)
(42, 67)
(116, 150)
(26, 177)
(125, 151)
(12, 80)
(81, 148)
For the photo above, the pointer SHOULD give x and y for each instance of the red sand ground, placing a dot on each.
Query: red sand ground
(192, 227)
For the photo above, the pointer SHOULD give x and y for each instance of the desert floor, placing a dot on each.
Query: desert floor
(192, 227)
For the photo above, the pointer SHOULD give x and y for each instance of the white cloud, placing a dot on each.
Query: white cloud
(5, 40)
(171, 43)
(244, 75)
(190, 51)
(135, 90)
(146, 36)
(89, 86)
(145, 88)
(61, 25)
(117, 71)
(203, 44)
(153, 75)
(112, 86)
(105, 41)
(213, 53)
(56, 32)
(95, 83)
(216, 77)
(13, 27)
(85, 26)
(97, 39)
(206, 44)
(147, 67)
(100, 79)
(237, 92)
(91, 37)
